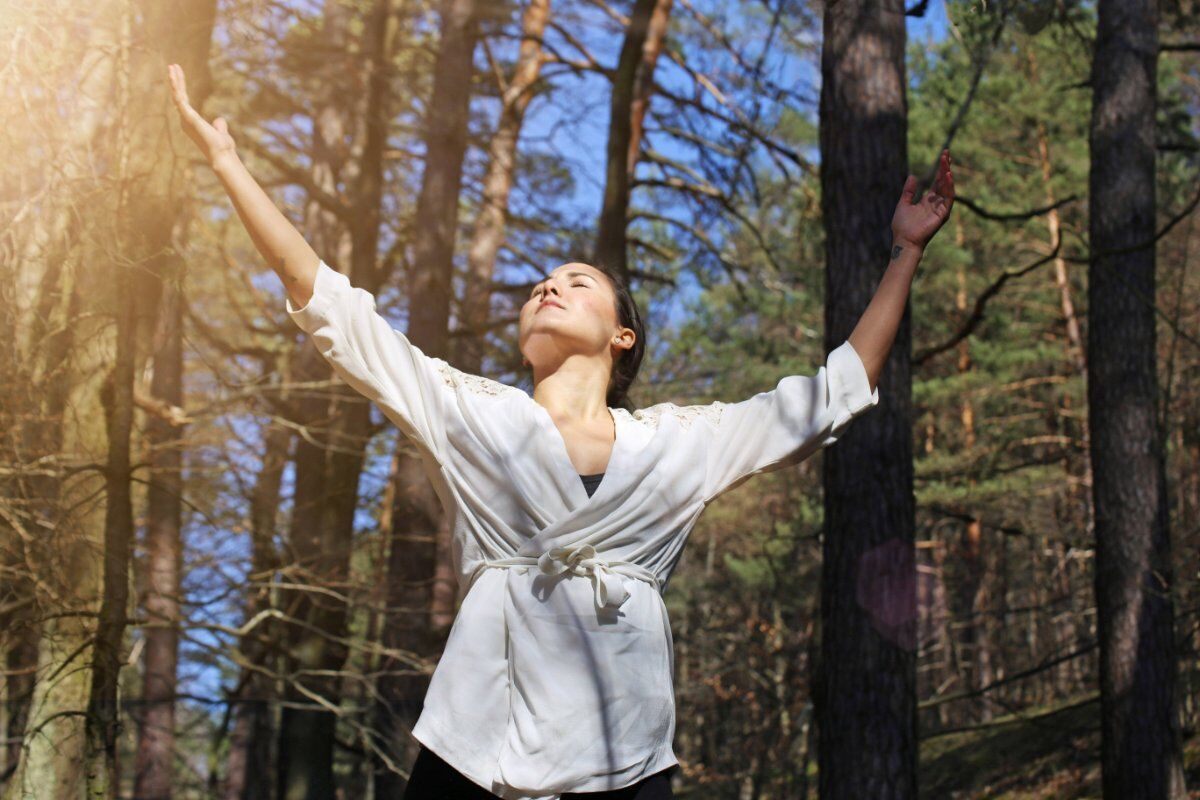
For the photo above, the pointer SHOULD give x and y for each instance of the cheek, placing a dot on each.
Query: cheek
(600, 309)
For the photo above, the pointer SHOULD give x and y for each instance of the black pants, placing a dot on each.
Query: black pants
(434, 779)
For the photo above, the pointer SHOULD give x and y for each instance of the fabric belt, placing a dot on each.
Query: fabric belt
(581, 559)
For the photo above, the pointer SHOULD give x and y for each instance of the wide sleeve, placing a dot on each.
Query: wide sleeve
(375, 359)
(786, 425)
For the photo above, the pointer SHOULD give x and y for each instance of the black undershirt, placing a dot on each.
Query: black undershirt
(590, 482)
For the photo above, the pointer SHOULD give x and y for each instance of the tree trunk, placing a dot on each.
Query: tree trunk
(489, 231)
(156, 735)
(419, 526)
(327, 472)
(402, 686)
(64, 337)
(48, 702)
(866, 700)
(251, 746)
(1141, 755)
(610, 238)
(159, 209)
(70, 740)
(329, 466)
(103, 714)
(53, 748)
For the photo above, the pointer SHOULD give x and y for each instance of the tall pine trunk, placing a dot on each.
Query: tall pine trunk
(418, 530)
(159, 208)
(488, 233)
(328, 466)
(70, 341)
(614, 212)
(252, 740)
(866, 689)
(1134, 582)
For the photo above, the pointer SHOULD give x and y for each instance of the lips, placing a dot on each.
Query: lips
(549, 303)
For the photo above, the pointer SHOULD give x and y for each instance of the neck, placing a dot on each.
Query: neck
(577, 389)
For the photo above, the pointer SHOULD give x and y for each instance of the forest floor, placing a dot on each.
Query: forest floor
(1051, 754)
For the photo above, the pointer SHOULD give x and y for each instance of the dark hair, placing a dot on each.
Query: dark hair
(627, 364)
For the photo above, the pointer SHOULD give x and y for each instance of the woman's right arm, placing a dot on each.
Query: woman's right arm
(413, 389)
(281, 245)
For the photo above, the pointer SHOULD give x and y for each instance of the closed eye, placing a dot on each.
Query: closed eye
(538, 291)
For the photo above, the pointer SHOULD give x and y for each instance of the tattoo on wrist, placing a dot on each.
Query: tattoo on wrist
(896, 250)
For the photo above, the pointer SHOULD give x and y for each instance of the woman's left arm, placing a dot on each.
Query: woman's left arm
(913, 225)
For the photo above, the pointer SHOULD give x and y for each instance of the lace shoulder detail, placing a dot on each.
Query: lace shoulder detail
(456, 379)
(686, 415)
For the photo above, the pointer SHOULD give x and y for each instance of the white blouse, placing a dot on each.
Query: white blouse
(558, 672)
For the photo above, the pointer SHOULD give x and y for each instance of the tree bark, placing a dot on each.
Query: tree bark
(160, 206)
(866, 698)
(103, 713)
(614, 213)
(251, 748)
(489, 231)
(65, 338)
(329, 465)
(419, 526)
(1140, 736)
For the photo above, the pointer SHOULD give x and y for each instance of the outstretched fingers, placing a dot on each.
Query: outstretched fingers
(178, 87)
(945, 182)
(941, 196)
(189, 115)
(179, 91)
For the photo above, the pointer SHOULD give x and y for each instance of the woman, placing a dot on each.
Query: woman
(556, 679)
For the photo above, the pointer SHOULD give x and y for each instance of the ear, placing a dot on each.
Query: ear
(624, 339)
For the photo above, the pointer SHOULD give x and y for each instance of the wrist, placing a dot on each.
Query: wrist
(225, 162)
(907, 245)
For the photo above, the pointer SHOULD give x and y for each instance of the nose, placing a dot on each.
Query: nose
(549, 287)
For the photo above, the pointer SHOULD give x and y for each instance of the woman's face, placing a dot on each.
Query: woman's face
(572, 311)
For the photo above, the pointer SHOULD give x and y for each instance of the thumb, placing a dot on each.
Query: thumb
(910, 187)
(220, 124)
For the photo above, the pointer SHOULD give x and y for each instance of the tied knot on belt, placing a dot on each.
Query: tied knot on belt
(582, 560)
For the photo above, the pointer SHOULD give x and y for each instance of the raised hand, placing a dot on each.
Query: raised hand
(917, 223)
(213, 140)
